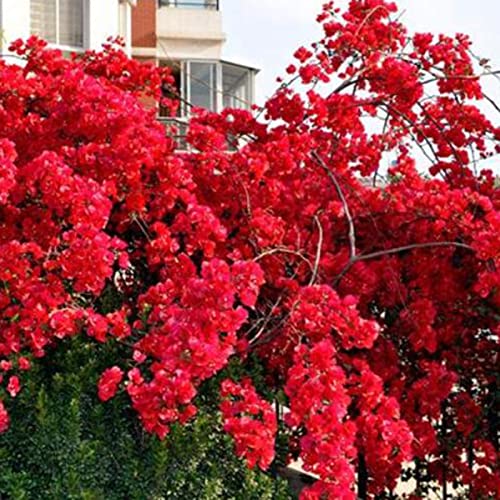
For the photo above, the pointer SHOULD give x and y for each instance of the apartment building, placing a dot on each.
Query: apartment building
(187, 36)
(72, 25)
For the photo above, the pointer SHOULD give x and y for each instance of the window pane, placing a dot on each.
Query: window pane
(236, 86)
(194, 4)
(191, 4)
(71, 22)
(202, 85)
(43, 19)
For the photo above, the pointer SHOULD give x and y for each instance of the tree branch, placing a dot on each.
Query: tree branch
(392, 251)
(276, 250)
(347, 212)
(318, 251)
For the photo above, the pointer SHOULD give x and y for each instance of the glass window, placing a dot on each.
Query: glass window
(71, 23)
(208, 84)
(43, 19)
(191, 4)
(58, 21)
(236, 88)
(203, 85)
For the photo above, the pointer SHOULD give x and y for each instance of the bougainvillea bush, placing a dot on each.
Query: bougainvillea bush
(370, 298)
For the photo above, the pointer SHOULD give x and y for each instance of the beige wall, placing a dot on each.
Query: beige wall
(169, 48)
(176, 33)
(189, 33)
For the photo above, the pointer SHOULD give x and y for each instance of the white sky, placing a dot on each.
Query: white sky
(265, 33)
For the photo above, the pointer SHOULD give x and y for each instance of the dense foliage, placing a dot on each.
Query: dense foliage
(63, 444)
(373, 306)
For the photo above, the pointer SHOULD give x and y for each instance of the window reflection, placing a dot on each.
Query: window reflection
(203, 85)
(236, 86)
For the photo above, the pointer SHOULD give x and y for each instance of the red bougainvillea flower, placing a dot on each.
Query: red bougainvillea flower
(250, 420)
(4, 418)
(109, 382)
(13, 387)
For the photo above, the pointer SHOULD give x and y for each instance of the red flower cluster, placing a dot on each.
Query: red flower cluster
(109, 382)
(250, 420)
(319, 402)
(371, 303)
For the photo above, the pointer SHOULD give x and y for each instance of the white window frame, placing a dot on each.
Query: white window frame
(85, 30)
(179, 4)
(185, 87)
(186, 82)
(250, 98)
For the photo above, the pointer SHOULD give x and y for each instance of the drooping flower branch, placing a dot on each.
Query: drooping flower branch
(372, 307)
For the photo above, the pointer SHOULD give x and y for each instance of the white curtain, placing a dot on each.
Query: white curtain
(71, 23)
(43, 19)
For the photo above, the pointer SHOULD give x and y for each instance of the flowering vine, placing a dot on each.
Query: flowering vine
(370, 298)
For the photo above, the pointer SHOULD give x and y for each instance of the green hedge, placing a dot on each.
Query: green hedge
(64, 444)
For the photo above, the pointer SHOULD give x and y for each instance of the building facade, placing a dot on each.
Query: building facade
(72, 25)
(187, 36)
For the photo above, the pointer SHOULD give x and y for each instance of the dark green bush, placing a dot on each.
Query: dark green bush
(65, 444)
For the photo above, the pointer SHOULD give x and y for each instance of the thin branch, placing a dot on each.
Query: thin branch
(346, 84)
(492, 102)
(352, 233)
(142, 226)
(384, 130)
(247, 197)
(392, 251)
(12, 56)
(414, 246)
(266, 322)
(442, 131)
(318, 251)
(460, 77)
(412, 124)
(367, 18)
(273, 251)
(271, 334)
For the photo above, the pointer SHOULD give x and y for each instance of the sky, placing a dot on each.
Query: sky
(265, 33)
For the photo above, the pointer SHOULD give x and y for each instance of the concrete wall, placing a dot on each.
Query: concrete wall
(201, 24)
(14, 20)
(189, 49)
(176, 33)
(103, 21)
(189, 33)
(125, 25)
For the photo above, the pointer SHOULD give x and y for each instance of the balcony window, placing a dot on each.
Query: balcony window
(191, 4)
(236, 86)
(58, 21)
(210, 85)
(202, 81)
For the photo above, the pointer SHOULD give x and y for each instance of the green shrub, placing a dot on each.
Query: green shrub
(63, 443)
